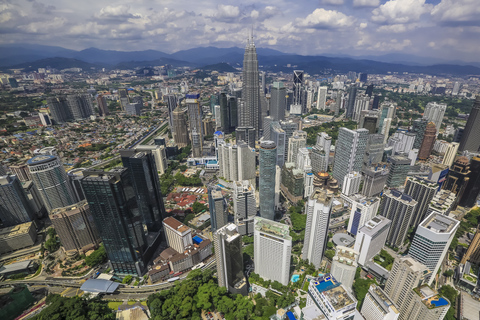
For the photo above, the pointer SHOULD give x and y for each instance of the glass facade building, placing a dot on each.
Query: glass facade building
(268, 155)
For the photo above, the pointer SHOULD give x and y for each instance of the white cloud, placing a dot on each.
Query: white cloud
(457, 12)
(366, 3)
(44, 26)
(333, 2)
(326, 19)
(400, 11)
(227, 12)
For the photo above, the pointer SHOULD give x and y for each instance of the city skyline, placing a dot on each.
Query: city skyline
(344, 27)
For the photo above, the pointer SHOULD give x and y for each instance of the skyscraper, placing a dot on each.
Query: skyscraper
(144, 177)
(251, 89)
(418, 128)
(399, 208)
(428, 141)
(399, 166)
(352, 94)
(59, 110)
(371, 238)
(431, 241)
(102, 105)
(218, 214)
(172, 103)
(178, 235)
(374, 180)
(318, 209)
(244, 206)
(267, 160)
(472, 189)
(114, 207)
(246, 134)
(351, 183)
(229, 258)
(471, 135)
(51, 180)
(180, 134)
(349, 152)
(473, 252)
(80, 106)
(14, 205)
(75, 227)
(362, 210)
(450, 154)
(421, 190)
(374, 150)
(298, 87)
(224, 112)
(195, 123)
(272, 249)
(434, 112)
(377, 305)
(277, 101)
(294, 144)
(458, 177)
(278, 136)
(344, 266)
(321, 98)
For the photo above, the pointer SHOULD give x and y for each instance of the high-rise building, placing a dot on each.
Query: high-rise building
(371, 238)
(272, 249)
(385, 131)
(277, 101)
(421, 190)
(321, 98)
(471, 135)
(400, 209)
(246, 134)
(298, 87)
(377, 305)
(424, 303)
(349, 152)
(434, 112)
(362, 210)
(224, 112)
(216, 204)
(229, 258)
(113, 204)
(352, 95)
(328, 299)
(178, 235)
(362, 103)
(292, 183)
(369, 120)
(456, 88)
(75, 227)
(458, 177)
(173, 101)
(297, 141)
(59, 110)
(344, 266)
(278, 136)
(74, 179)
(246, 161)
(51, 180)
(195, 123)
(431, 241)
(472, 189)
(80, 106)
(351, 183)
(14, 204)
(406, 274)
(418, 128)
(102, 105)
(374, 180)
(318, 209)
(442, 202)
(473, 252)
(233, 113)
(180, 134)
(267, 160)
(21, 171)
(428, 141)
(244, 206)
(450, 154)
(251, 90)
(399, 166)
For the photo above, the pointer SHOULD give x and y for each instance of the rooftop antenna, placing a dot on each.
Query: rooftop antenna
(252, 35)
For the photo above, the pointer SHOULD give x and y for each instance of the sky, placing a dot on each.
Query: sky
(447, 29)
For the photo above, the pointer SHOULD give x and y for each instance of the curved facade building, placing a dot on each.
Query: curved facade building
(51, 181)
(268, 156)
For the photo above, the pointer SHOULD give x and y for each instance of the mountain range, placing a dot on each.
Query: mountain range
(31, 57)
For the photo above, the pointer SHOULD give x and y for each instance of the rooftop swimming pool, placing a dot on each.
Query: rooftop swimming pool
(295, 278)
(439, 303)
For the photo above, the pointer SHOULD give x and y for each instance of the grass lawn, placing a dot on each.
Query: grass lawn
(131, 302)
(143, 303)
(305, 286)
(114, 304)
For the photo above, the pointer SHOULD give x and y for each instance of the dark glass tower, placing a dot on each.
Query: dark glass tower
(113, 204)
(251, 89)
(352, 94)
(144, 177)
(267, 159)
(471, 135)
(472, 189)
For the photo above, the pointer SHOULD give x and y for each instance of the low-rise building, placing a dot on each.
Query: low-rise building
(17, 237)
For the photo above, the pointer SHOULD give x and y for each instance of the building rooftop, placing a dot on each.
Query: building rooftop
(40, 159)
(321, 196)
(99, 286)
(430, 297)
(346, 255)
(332, 290)
(385, 299)
(374, 225)
(439, 223)
(273, 228)
(175, 225)
(17, 266)
(17, 230)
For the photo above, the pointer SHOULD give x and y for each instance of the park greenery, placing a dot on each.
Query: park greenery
(199, 207)
(331, 128)
(469, 221)
(77, 308)
(384, 259)
(53, 242)
(96, 257)
(168, 181)
(361, 286)
(451, 294)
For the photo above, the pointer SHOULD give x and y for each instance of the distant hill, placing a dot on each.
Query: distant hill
(220, 67)
(57, 63)
(157, 62)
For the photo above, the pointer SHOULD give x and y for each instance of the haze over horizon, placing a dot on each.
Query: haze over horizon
(443, 29)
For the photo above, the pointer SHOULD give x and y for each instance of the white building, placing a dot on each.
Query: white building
(317, 209)
(362, 210)
(371, 239)
(450, 154)
(387, 122)
(431, 241)
(321, 98)
(377, 305)
(236, 161)
(178, 235)
(272, 250)
(344, 266)
(351, 183)
(434, 112)
(295, 142)
(244, 206)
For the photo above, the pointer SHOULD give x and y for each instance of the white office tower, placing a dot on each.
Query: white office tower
(434, 112)
(456, 88)
(321, 98)
(387, 122)
(310, 94)
(377, 305)
(415, 301)
(402, 141)
(228, 255)
(295, 142)
(328, 299)
(318, 209)
(371, 238)
(246, 162)
(308, 177)
(302, 161)
(344, 266)
(244, 206)
(236, 161)
(351, 183)
(272, 250)
(278, 179)
(413, 155)
(361, 103)
(321, 152)
(159, 154)
(218, 117)
(349, 151)
(431, 241)
(362, 210)
(324, 141)
(450, 153)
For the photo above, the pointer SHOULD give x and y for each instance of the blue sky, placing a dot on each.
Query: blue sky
(448, 29)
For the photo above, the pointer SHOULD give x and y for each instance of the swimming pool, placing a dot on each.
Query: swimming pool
(439, 303)
(295, 278)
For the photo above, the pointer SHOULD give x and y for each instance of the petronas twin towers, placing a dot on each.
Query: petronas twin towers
(251, 106)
